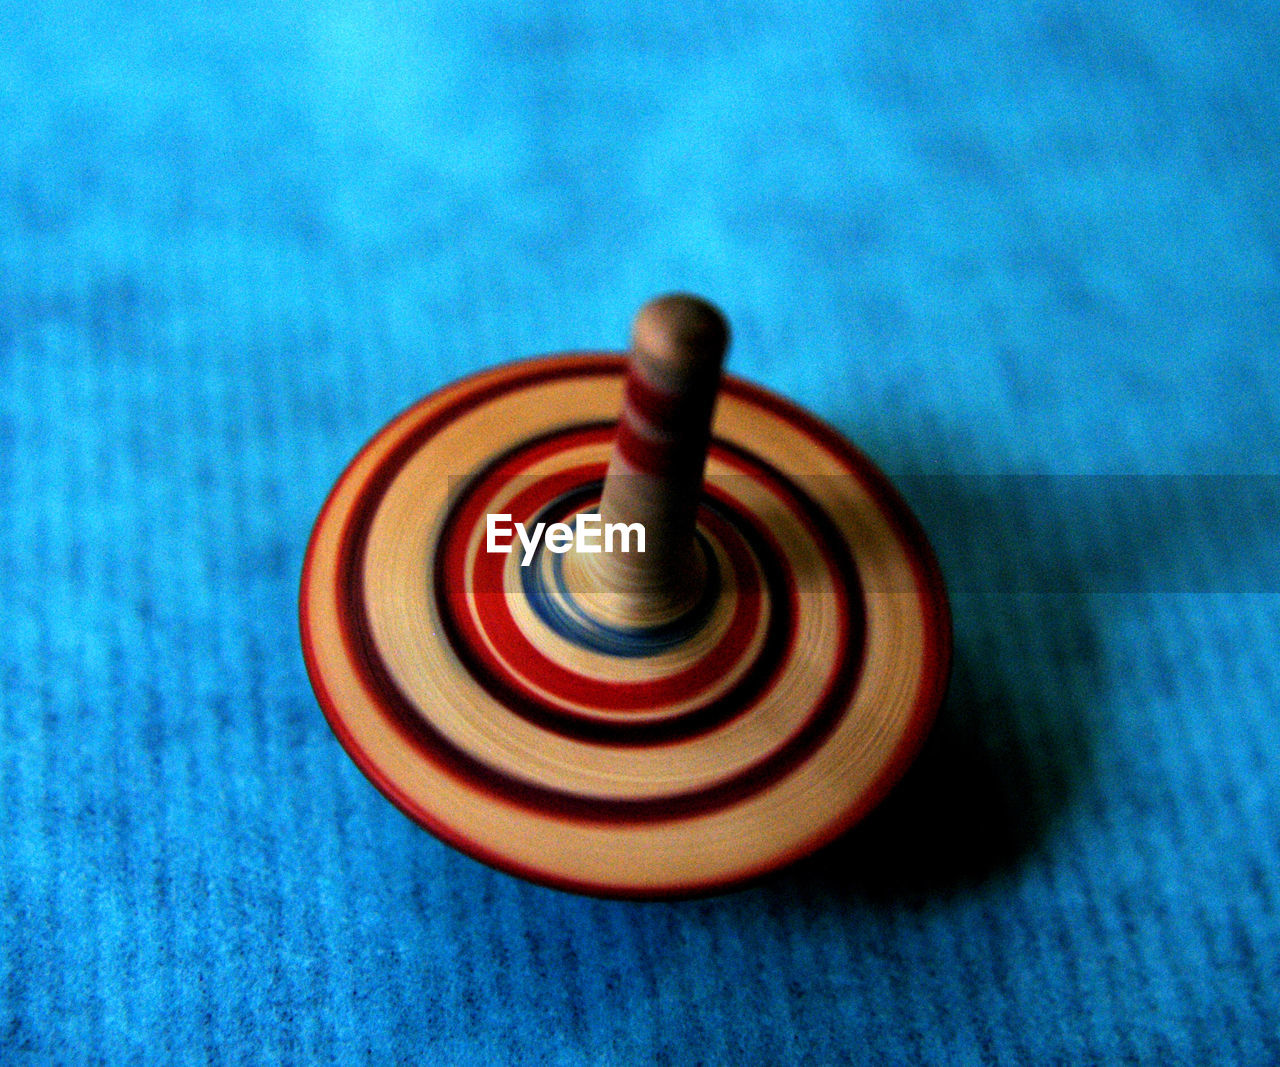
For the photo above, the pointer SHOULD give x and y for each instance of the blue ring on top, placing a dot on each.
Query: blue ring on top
(561, 613)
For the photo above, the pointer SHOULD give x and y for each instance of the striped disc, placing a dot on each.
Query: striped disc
(474, 689)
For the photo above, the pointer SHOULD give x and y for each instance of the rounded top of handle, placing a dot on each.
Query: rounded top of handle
(681, 339)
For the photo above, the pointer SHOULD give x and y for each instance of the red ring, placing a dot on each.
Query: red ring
(497, 623)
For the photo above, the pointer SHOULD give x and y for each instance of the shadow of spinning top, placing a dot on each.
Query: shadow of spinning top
(643, 654)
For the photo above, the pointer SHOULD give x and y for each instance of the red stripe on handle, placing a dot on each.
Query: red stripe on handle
(645, 455)
(660, 410)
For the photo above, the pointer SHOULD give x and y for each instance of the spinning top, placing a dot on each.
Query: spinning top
(499, 656)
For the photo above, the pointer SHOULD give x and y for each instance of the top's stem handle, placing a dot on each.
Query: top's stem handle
(655, 473)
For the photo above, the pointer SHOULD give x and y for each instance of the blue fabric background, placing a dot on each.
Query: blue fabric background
(1027, 255)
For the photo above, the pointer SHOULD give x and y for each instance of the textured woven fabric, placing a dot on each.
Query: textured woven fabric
(1026, 255)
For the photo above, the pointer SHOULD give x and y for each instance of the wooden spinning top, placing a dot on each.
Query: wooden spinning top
(498, 656)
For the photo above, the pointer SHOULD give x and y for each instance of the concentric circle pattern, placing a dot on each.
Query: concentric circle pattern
(486, 697)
